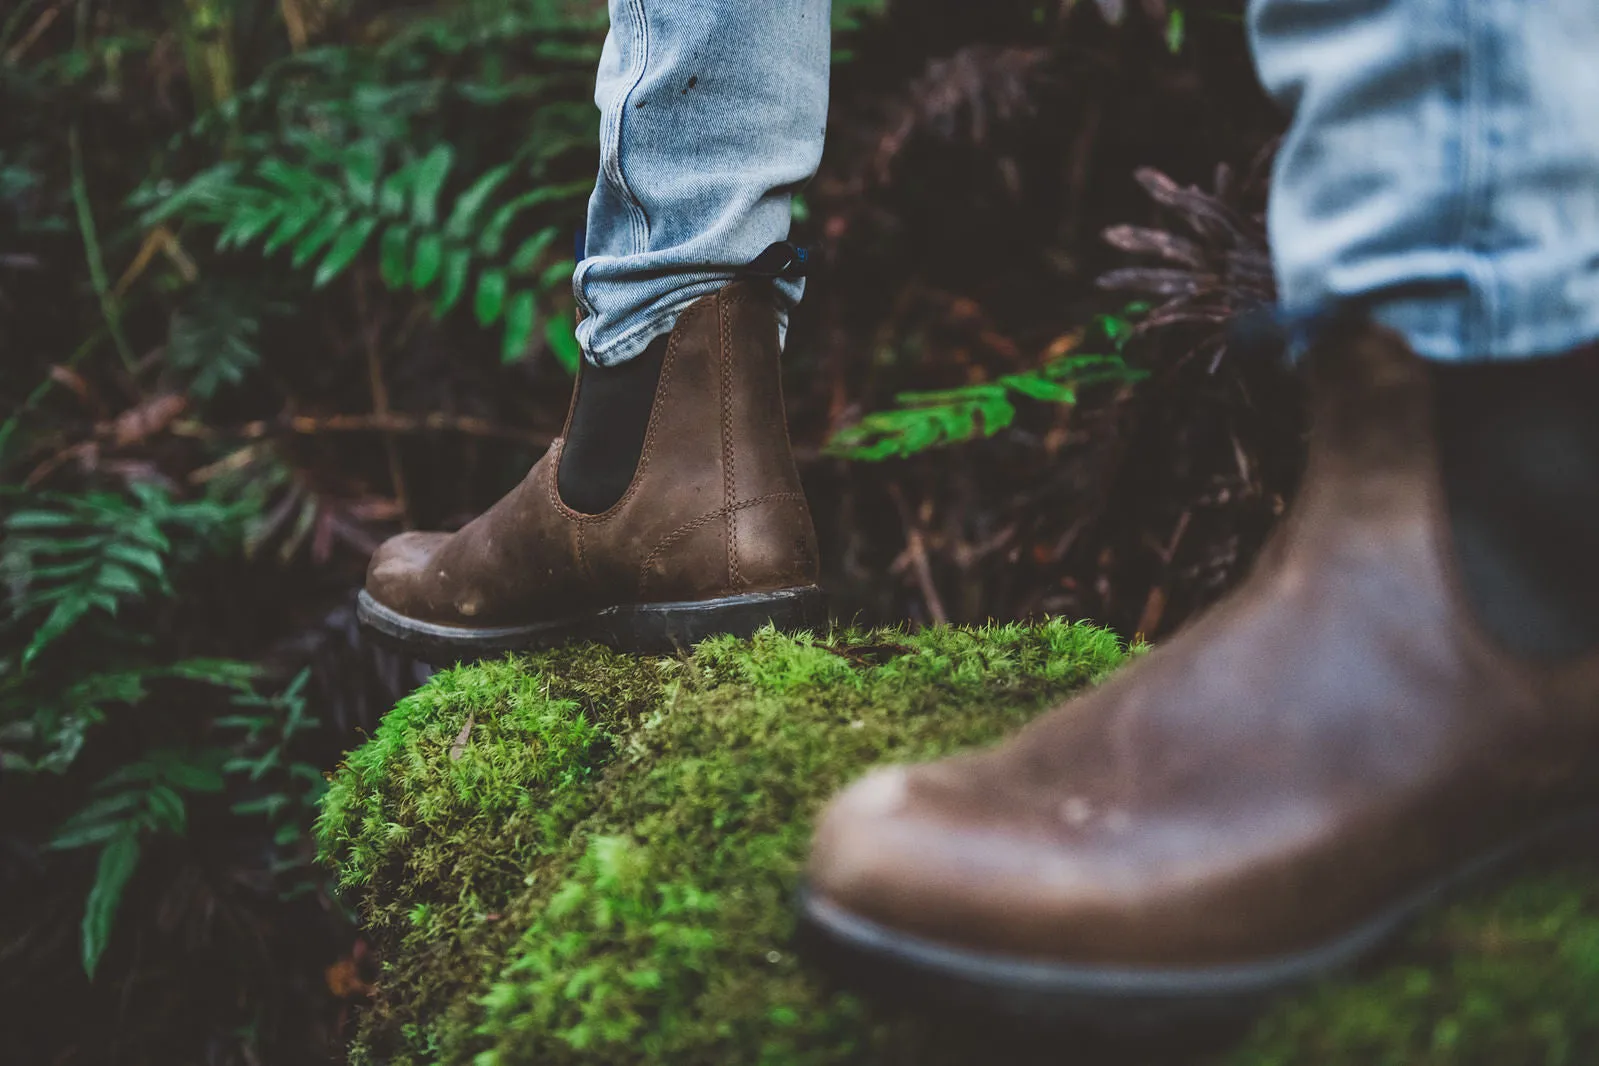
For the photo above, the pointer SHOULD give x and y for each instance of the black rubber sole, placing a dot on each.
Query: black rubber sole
(644, 628)
(1132, 1003)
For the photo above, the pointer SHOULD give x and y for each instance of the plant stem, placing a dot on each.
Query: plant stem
(370, 329)
(9, 427)
(91, 251)
(14, 22)
(14, 52)
(109, 308)
(208, 45)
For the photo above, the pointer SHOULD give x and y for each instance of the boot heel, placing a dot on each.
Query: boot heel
(662, 628)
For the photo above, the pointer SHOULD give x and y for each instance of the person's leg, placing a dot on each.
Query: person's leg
(1441, 169)
(1401, 695)
(670, 509)
(1442, 174)
(713, 114)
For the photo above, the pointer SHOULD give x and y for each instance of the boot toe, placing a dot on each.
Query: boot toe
(402, 571)
(914, 850)
(950, 853)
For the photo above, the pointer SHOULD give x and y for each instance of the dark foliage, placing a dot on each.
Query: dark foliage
(963, 213)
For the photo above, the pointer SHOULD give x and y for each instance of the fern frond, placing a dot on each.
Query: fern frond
(65, 556)
(327, 207)
(927, 420)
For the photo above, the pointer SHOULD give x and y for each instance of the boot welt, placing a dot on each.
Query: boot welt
(1127, 1002)
(640, 628)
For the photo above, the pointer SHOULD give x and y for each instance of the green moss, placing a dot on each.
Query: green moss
(1508, 977)
(584, 857)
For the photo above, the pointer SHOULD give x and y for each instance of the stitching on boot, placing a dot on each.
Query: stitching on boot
(710, 516)
(733, 577)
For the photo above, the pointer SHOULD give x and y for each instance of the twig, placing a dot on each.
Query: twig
(1168, 551)
(55, 462)
(161, 240)
(380, 399)
(45, 20)
(916, 555)
(309, 425)
(14, 420)
(1154, 611)
(458, 749)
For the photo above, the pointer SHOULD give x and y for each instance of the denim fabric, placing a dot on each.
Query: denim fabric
(1442, 169)
(713, 114)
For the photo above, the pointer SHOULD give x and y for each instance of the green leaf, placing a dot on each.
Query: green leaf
(490, 300)
(38, 574)
(97, 821)
(361, 171)
(492, 238)
(562, 339)
(118, 579)
(317, 238)
(268, 805)
(456, 263)
(61, 619)
(557, 274)
(248, 224)
(40, 520)
(1040, 388)
(1116, 328)
(997, 412)
(527, 255)
(429, 258)
(1176, 30)
(463, 219)
(134, 555)
(117, 863)
(224, 673)
(296, 217)
(90, 833)
(344, 251)
(167, 811)
(430, 175)
(521, 314)
(298, 182)
(392, 193)
(193, 776)
(206, 196)
(391, 261)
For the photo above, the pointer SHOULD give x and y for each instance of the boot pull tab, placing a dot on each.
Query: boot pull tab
(785, 260)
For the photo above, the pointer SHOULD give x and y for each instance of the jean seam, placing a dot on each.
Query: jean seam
(1476, 323)
(638, 220)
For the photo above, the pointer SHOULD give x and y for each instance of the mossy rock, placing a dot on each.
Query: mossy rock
(585, 857)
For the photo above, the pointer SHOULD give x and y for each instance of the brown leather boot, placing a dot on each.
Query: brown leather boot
(1259, 801)
(713, 534)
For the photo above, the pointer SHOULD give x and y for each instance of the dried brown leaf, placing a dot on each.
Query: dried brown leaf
(139, 423)
(1168, 246)
(458, 748)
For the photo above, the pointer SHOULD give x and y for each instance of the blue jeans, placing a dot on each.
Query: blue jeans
(713, 114)
(1441, 172)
